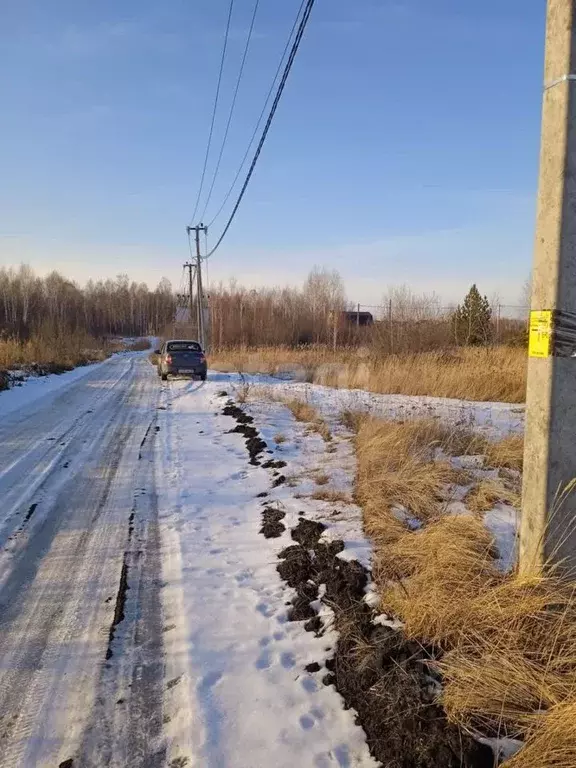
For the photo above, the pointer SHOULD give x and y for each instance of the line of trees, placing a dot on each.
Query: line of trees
(313, 314)
(277, 316)
(53, 305)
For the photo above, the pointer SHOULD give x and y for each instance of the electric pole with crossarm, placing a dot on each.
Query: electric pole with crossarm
(199, 289)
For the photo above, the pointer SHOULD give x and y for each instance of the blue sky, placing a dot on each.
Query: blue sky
(405, 149)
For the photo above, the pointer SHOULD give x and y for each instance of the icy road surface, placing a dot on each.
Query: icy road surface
(142, 620)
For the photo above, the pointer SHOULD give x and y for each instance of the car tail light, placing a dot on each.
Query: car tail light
(202, 358)
(169, 359)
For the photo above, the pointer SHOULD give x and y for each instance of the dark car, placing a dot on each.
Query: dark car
(181, 358)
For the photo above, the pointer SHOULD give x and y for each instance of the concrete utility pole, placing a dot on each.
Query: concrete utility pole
(199, 289)
(548, 528)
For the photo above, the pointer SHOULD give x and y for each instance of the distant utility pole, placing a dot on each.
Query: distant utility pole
(190, 267)
(548, 527)
(199, 289)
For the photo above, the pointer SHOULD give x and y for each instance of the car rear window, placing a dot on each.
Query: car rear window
(183, 346)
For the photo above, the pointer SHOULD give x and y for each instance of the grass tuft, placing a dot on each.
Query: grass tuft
(507, 453)
(303, 411)
(487, 493)
(352, 419)
(330, 495)
(551, 742)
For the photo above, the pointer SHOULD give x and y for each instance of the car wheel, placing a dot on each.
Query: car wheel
(203, 376)
(164, 376)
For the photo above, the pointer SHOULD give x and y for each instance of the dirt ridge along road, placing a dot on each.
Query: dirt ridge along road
(73, 522)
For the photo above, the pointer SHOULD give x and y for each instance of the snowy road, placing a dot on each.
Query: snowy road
(142, 620)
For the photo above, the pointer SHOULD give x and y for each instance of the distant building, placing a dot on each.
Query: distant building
(363, 319)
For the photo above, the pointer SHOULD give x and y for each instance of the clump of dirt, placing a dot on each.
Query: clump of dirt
(31, 510)
(379, 673)
(254, 443)
(272, 528)
(295, 565)
(230, 409)
(272, 464)
(308, 532)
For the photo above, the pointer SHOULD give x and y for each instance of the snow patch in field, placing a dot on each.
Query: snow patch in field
(494, 420)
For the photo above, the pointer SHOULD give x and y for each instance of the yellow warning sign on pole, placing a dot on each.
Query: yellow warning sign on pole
(540, 341)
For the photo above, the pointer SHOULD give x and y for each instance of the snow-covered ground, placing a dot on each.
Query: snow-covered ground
(243, 697)
(142, 618)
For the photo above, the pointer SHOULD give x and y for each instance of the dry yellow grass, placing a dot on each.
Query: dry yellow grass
(333, 496)
(485, 494)
(485, 374)
(58, 353)
(507, 453)
(351, 419)
(303, 411)
(322, 479)
(321, 427)
(507, 643)
(551, 743)
(439, 571)
(397, 468)
(516, 656)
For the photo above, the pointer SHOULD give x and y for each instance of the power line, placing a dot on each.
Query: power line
(232, 106)
(288, 67)
(262, 113)
(224, 48)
